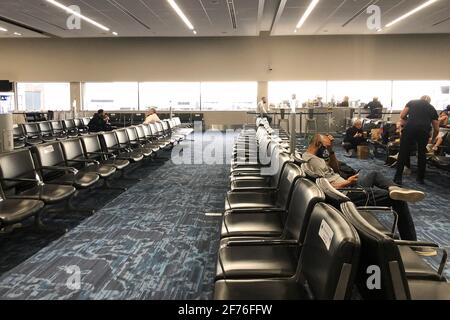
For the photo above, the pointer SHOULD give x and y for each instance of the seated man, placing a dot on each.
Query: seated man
(152, 117)
(99, 122)
(379, 191)
(354, 136)
(444, 126)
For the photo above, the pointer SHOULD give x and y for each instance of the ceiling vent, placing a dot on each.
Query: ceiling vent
(232, 13)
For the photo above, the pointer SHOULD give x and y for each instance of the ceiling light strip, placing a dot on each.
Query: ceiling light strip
(77, 14)
(3, 29)
(410, 13)
(308, 11)
(180, 13)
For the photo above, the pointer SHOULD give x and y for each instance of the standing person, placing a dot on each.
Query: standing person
(263, 109)
(419, 116)
(376, 109)
(152, 117)
(345, 103)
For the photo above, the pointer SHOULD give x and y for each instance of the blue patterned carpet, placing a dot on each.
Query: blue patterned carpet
(150, 242)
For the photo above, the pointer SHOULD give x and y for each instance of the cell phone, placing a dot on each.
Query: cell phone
(357, 172)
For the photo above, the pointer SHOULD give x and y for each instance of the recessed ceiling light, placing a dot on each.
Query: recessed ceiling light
(195, 32)
(410, 13)
(3, 29)
(17, 34)
(115, 33)
(308, 11)
(180, 13)
(75, 13)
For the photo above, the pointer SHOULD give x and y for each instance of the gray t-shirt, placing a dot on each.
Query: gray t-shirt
(321, 168)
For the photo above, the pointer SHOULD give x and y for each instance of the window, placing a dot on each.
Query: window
(404, 91)
(360, 92)
(281, 91)
(228, 96)
(112, 96)
(163, 95)
(6, 102)
(43, 96)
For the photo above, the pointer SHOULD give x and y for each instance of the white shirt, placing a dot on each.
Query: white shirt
(153, 118)
(262, 108)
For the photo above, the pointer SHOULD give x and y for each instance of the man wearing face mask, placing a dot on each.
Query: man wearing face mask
(379, 191)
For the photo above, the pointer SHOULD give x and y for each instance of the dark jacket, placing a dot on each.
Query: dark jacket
(97, 124)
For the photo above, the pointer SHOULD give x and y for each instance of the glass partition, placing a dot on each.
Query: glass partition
(360, 92)
(228, 96)
(404, 91)
(163, 95)
(113, 96)
(43, 96)
(282, 91)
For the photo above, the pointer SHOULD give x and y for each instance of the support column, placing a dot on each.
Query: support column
(76, 98)
(263, 89)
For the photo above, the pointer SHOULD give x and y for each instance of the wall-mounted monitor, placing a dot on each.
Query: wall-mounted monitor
(6, 86)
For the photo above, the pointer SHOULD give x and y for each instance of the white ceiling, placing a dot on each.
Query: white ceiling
(149, 18)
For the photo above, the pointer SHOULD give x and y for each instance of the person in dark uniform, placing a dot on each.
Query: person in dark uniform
(376, 109)
(99, 122)
(420, 116)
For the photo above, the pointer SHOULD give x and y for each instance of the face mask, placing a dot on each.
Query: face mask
(323, 153)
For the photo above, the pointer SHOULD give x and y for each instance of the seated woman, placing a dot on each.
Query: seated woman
(99, 122)
(444, 125)
(354, 137)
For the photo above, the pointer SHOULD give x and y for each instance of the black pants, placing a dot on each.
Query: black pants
(413, 137)
(376, 194)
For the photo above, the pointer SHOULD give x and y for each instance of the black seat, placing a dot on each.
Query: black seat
(19, 137)
(32, 133)
(121, 151)
(13, 211)
(93, 150)
(130, 137)
(324, 270)
(384, 252)
(75, 157)
(289, 225)
(58, 130)
(20, 179)
(70, 128)
(273, 201)
(54, 169)
(144, 140)
(82, 128)
(442, 160)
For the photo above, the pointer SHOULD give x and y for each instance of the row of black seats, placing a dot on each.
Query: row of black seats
(285, 237)
(30, 134)
(52, 172)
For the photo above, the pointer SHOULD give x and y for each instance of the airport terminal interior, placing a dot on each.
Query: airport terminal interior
(224, 149)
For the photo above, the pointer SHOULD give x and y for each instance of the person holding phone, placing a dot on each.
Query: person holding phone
(378, 190)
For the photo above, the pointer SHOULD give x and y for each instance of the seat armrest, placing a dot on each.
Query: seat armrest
(422, 244)
(61, 168)
(255, 189)
(387, 210)
(20, 179)
(84, 161)
(254, 210)
(267, 242)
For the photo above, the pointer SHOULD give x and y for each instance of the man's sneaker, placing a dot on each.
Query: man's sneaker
(408, 195)
(425, 251)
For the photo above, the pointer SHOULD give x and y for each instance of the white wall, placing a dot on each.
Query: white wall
(226, 59)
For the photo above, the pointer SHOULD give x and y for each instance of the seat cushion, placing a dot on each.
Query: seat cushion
(249, 200)
(429, 290)
(251, 224)
(266, 261)
(81, 180)
(49, 193)
(15, 210)
(268, 289)
(117, 163)
(104, 171)
(132, 156)
(254, 183)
